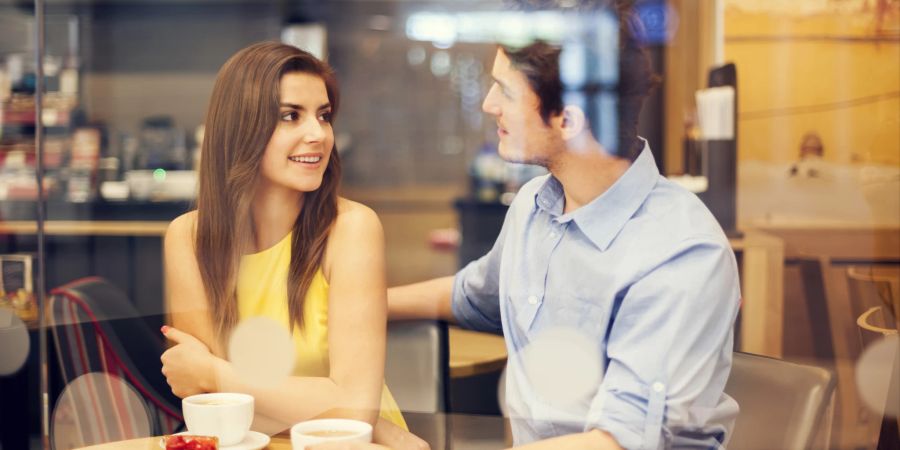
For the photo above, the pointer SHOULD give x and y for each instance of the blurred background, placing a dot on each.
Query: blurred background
(783, 116)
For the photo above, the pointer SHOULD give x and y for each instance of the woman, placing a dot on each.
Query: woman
(270, 237)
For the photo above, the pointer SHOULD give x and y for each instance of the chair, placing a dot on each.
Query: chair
(876, 295)
(416, 371)
(783, 405)
(875, 305)
(812, 273)
(96, 329)
(888, 436)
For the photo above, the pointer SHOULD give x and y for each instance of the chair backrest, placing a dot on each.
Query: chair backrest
(96, 329)
(872, 295)
(783, 405)
(416, 366)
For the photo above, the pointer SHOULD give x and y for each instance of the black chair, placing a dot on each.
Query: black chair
(416, 371)
(96, 329)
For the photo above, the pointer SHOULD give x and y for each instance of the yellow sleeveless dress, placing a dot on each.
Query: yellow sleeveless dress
(262, 291)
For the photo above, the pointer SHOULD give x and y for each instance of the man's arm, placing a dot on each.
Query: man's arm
(669, 351)
(591, 440)
(426, 300)
(469, 299)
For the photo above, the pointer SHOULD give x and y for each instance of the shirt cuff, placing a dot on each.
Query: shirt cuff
(466, 309)
(634, 417)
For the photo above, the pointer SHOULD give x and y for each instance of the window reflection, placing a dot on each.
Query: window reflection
(807, 181)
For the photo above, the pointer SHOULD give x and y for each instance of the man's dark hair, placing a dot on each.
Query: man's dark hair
(539, 62)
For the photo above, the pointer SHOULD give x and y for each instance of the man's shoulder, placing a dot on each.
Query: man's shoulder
(525, 195)
(533, 185)
(678, 215)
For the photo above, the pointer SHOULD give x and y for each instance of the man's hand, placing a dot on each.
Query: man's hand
(591, 440)
(346, 446)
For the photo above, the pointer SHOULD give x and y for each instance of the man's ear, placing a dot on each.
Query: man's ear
(574, 122)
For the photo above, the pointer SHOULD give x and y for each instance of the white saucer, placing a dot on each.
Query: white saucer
(254, 440)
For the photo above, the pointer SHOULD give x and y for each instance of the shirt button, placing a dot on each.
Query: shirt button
(658, 387)
(552, 235)
(532, 300)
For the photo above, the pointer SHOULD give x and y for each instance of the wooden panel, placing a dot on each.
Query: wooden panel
(87, 228)
(762, 286)
(837, 241)
(689, 55)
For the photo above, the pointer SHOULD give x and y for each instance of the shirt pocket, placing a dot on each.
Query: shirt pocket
(588, 317)
(564, 357)
(586, 314)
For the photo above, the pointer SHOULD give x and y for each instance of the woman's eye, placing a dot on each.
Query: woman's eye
(325, 116)
(290, 116)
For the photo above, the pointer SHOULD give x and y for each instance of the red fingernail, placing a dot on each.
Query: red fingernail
(164, 329)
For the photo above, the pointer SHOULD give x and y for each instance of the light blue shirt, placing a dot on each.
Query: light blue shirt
(617, 316)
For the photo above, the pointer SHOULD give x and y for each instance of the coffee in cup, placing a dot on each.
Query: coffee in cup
(227, 416)
(329, 430)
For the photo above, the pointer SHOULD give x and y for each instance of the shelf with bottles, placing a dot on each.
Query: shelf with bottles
(17, 287)
(69, 160)
(67, 154)
(18, 115)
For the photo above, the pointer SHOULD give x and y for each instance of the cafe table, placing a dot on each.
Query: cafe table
(475, 353)
(441, 431)
(278, 442)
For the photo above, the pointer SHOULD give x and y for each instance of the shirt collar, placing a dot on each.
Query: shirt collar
(603, 218)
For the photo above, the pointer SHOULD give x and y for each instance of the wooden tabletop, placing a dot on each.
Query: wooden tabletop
(87, 227)
(153, 443)
(473, 353)
(462, 430)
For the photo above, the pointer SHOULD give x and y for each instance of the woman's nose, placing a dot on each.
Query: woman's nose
(313, 131)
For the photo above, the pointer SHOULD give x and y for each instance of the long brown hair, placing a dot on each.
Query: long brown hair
(243, 113)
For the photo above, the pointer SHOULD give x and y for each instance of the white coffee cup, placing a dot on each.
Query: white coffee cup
(226, 416)
(329, 430)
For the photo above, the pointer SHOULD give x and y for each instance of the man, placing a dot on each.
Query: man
(810, 164)
(616, 290)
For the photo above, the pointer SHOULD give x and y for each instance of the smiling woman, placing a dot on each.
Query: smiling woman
(271, 239)
(300, 148)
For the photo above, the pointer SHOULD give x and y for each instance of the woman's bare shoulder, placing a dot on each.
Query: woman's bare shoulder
(357, 231)
(182, 230)
(355, 216)
(355, 227)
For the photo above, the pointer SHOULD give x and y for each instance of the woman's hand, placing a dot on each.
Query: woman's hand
(392, 436)
(188, 366)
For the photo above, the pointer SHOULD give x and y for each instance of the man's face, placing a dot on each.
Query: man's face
(524, 137)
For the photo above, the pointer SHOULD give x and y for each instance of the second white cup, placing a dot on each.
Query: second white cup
(329, 430)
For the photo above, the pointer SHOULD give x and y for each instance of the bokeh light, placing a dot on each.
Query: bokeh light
(564, 365)
(873, 375)
(261, 351)
(96, 408)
